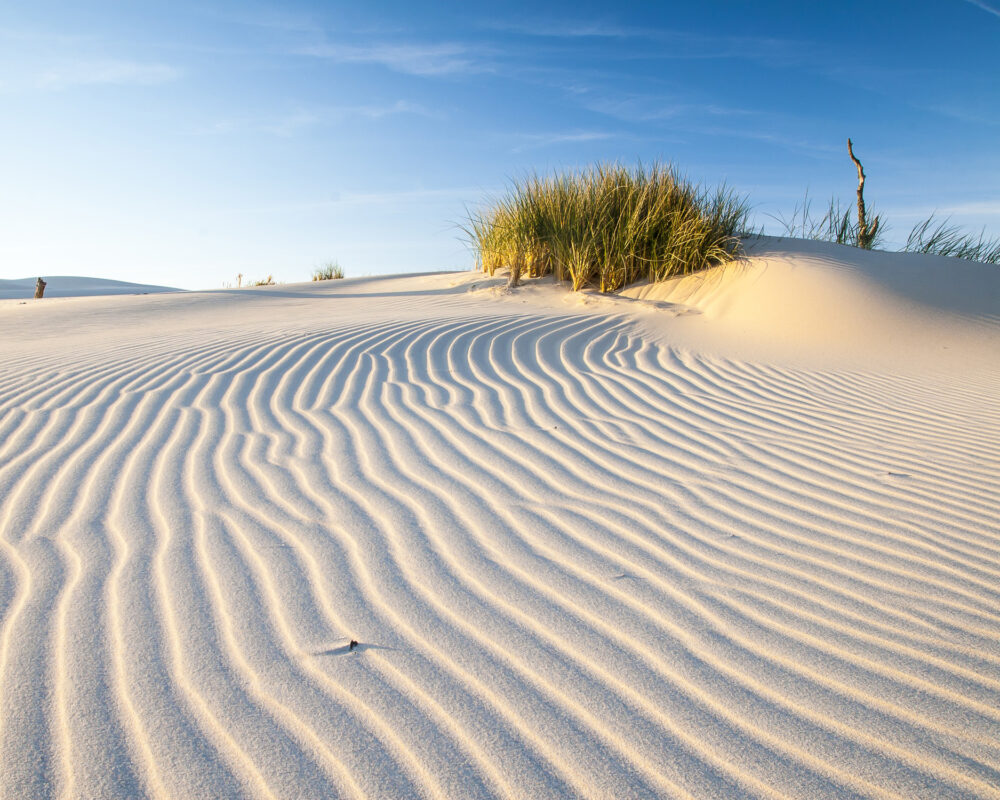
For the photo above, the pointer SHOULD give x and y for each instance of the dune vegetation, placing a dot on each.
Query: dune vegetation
(329, 271)
(945, 239)
(933, 235)
(838, 224)
(608, 226)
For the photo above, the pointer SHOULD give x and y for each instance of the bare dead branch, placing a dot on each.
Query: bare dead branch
(862, 219)
(866, 231)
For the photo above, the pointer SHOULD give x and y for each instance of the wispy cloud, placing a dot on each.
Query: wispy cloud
(669, 44)
(963, 114)
(405, 196)
(531, 141)
(689, 117)
(64, 74)
(297, 120)
(561, 29)
(389, 199)
(801, 145)
(43, 37)
(649, 108)
(376, 112)
(985, 208)
(40, 59)
(989, 9)
(274, 18)
(106, 72)
(446, 58)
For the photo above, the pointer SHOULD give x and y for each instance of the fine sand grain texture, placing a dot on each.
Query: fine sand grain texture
(732, 537)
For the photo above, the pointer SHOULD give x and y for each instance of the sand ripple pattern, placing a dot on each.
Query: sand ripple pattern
(579, 565)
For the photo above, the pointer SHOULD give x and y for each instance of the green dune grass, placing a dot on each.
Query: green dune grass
(608, 226)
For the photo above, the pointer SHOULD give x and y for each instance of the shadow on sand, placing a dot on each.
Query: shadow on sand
(344, 649)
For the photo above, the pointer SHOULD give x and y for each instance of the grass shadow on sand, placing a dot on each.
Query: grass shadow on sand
(344, 649)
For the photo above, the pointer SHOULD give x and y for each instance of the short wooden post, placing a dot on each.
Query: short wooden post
(40, 289)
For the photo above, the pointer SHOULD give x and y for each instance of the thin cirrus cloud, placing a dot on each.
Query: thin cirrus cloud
(989, 9)
(104, 73)
(532, 141)
(963, 114)
(328, 115)
(399, 198)
(298, 120)
(552, 29)
(413, 59)
(649, 108)
(40, 60)
(669, 44)
(990, 208)
(405, 197)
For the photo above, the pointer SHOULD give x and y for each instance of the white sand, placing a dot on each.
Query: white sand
(738, 539)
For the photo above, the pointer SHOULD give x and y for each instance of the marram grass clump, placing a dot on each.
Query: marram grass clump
(608, 226)
(942, 238)
(329, 271)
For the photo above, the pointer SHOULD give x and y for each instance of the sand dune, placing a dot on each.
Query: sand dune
(590, 547)
(74, 286)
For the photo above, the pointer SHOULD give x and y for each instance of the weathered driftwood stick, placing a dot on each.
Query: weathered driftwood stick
(865, 236)
(40, 289)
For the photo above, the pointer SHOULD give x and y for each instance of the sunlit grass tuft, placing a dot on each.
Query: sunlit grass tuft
(932, 235)
(331, 270)
(608, 226)
(837, 224)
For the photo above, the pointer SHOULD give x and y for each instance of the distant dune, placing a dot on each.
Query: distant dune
(74, 286)
(731, 537)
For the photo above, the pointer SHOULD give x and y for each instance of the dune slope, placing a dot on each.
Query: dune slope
(588, 547)
(74, 286)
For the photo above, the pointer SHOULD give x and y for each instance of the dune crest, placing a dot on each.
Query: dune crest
(838, 304)
(74, 286)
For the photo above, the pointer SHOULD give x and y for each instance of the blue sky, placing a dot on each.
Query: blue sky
(181, 143)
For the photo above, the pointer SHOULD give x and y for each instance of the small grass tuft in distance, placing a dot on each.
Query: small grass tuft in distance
(608, 226)
(329, 271)
(268, 281)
